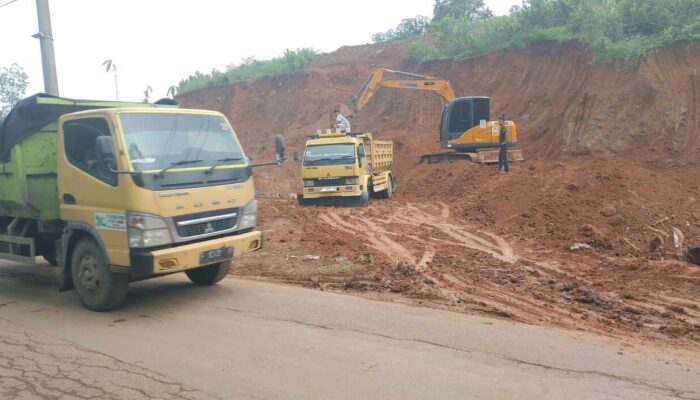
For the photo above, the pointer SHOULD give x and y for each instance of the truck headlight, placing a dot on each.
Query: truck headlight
(145, 230)
(355, 180)
(249, 215)
(308, 182)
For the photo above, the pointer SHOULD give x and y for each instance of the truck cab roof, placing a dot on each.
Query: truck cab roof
(29, 116)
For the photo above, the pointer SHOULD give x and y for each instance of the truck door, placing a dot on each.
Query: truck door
(89, 190)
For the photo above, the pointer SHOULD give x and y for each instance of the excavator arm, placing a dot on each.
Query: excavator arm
(407, 80)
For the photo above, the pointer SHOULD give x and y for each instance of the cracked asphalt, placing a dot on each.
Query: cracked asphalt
(253, 340)
(36, 366)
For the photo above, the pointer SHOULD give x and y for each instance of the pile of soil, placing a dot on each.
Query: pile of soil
(588, 233)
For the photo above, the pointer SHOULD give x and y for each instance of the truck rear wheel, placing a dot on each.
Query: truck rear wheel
(98, 288)
(386, 193)
(209, 275)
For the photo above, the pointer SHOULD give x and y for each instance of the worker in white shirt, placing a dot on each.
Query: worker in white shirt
(341, 122)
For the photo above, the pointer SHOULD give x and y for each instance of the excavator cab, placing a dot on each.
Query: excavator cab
(462, 114)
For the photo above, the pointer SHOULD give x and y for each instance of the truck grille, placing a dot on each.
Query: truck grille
(206, 223)
(334, 181)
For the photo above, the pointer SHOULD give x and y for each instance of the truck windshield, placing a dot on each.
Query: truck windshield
(158, 141)
(329, 154)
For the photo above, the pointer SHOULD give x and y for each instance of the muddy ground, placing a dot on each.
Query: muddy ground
(588, 233)
(476, 253)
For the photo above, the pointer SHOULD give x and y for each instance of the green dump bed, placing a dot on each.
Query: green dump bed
(28, 181)
(28, 186)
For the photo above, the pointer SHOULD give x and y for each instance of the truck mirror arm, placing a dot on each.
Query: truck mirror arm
(263, 164)
(115, 171)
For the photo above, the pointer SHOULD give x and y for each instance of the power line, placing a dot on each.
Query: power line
(7, 4)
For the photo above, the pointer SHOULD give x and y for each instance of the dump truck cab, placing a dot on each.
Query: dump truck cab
(346, 168)
(145, 181)
(117, 194)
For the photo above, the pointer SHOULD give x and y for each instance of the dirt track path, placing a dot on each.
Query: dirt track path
(477, 270)
(418, 248)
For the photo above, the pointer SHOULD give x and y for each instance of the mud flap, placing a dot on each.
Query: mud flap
(353, 201)
(65, 278)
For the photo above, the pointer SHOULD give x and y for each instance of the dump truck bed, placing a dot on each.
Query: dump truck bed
(28, 186)
(382, 155)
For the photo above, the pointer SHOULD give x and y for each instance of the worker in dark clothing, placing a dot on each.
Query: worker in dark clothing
(503, 143)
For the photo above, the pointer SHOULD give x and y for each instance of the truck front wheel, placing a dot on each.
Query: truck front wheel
(98, 288)
(209, 275)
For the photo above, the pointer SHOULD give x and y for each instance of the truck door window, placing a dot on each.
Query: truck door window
(80, 137)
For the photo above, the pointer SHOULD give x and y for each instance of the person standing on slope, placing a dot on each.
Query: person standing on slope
(503, 143)
(341, 122)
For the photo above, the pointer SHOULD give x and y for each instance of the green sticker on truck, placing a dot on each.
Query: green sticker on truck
(110, 221)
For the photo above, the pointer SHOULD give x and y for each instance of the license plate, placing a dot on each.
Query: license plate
(329, 189)
(210, 256)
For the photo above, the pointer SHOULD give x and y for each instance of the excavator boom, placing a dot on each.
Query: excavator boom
(406, 80)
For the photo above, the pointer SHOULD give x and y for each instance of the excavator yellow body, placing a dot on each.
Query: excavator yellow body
(465, 126)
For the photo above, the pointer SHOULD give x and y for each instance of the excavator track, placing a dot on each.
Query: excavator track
(480, 156)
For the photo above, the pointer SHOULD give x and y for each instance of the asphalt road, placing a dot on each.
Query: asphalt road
(253, 340)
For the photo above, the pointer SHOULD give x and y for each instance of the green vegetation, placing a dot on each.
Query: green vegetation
(249, 69)
(13, 84)
(407, 28)
(346, 266)
(613, 29)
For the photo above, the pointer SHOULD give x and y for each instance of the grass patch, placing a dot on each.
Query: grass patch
(250, 69)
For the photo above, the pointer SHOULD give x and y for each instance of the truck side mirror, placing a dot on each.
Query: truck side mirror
(280, 147)
(360, 154)
(295, 155)
(104, 151)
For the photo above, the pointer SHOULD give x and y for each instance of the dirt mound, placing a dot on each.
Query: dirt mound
(588, 233)
(609, 203)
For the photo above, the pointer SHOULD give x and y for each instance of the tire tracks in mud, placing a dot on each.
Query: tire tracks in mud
(412, 234)
(479, 270)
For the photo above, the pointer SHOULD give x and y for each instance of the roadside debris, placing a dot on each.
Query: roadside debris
(694, 255)
(581, 246)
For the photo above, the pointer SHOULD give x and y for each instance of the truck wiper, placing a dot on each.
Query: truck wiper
(220, 163)
(175, 164)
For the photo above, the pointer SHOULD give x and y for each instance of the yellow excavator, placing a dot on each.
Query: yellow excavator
(465, 126)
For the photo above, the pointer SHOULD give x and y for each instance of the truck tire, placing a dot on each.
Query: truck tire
(389, 188)
(99, 289)
(386, 193)
(209, 275)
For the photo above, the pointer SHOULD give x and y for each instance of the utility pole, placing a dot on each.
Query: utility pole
(48, 58)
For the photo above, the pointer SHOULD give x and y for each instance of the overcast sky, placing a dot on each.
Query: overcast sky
(159, 42)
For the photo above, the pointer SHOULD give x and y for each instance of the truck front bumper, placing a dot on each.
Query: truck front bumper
(344, 196)
(189, 256)
(320, 192)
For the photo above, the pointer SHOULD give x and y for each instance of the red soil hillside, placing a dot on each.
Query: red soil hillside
(611, 162)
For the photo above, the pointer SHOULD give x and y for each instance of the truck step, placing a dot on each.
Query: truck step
(15, 245)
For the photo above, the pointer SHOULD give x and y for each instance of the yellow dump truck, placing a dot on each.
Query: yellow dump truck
(346, 169)
(113, 192)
